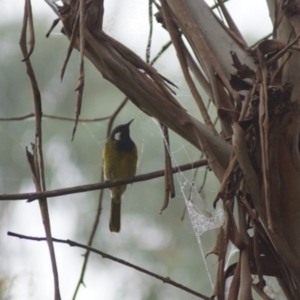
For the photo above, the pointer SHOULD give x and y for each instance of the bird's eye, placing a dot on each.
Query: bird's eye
(118, 136)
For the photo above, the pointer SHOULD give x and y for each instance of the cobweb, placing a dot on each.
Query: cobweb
(202, 219)
(200, 222)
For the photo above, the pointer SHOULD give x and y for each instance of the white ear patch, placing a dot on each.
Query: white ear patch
(118, 136)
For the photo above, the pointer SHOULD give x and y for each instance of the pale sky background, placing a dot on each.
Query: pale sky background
(253, 21)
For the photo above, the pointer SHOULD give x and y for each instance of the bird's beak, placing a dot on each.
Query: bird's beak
(130, 122)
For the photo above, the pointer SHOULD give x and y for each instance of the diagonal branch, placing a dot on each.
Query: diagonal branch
(113, 258)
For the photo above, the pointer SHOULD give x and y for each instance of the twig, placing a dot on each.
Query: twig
(148, 48)
(111, 121)
(31, 115)
(162, 50)
(113, 258)
(99, 208)
(102, 185)
(35, 159)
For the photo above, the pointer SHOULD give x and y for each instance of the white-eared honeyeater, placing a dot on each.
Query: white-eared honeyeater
(119, 162)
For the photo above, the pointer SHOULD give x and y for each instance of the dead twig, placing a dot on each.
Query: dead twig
(102, 185)
(113, 258)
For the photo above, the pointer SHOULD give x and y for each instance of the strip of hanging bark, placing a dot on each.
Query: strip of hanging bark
(257, 254)
(80, 85)
(54, 24)
(222, 244)
(198, 74)
(29, 20)
(263, 110)
(276, 78)
(169, 161)
(231, 229)
(279, 14)
(251, 179)
(180, 49)
(245, 111)
(263, 258)
(72, 38)
(250, 211)
(234, 288)
(32, 164)
(233, 28)
(225, 113)
(239, 41)
(169, 179)
(246, 279)
(225, 180)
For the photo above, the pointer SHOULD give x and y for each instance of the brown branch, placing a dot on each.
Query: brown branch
(99, 208)
(113, 258)
(31, 115)
(150, 15)
(36, 158)
(102, 185)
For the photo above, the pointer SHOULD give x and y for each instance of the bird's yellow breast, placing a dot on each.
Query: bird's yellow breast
(118, 164)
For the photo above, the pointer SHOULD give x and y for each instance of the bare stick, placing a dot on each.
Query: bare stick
(102, 185)
(118, 260)
(35, 159)
(99, 208)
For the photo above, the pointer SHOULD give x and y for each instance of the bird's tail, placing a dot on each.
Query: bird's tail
(115, 215)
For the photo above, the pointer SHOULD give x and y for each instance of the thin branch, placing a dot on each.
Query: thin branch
(148, 48)
(102, 185)
(31, 115)
(99, 208)
(113, 258)
(162, 50)
(114, 115)
(35, 159)
(262, 39)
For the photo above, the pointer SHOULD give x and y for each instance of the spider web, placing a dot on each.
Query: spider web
(202, 219)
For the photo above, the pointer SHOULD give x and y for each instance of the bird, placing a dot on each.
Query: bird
(119, 161)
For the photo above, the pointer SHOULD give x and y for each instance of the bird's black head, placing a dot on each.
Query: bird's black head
(121, 136)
